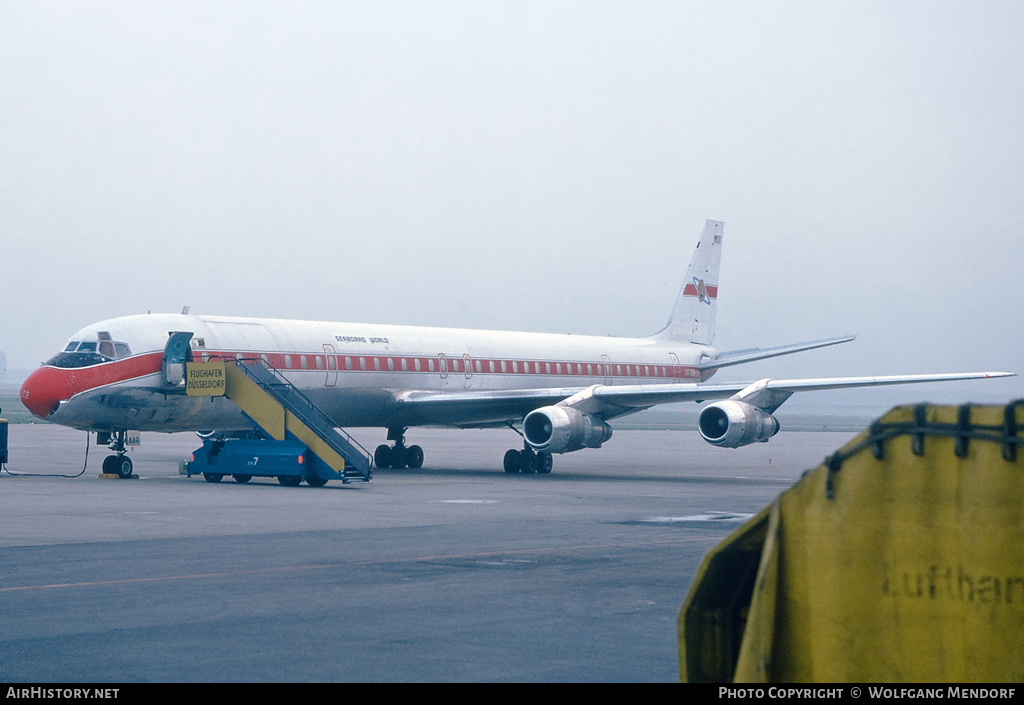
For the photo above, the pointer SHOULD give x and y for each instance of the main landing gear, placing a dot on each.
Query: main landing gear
(398, 455)
(118, 464)
(527, 461)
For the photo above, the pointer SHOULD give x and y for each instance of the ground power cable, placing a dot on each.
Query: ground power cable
(44, 474)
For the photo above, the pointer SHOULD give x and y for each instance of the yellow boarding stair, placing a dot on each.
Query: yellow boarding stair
(281, 411)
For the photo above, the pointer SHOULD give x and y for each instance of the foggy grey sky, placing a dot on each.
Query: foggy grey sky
(542, 166)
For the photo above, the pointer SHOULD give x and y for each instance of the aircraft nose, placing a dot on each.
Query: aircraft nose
(43, 391)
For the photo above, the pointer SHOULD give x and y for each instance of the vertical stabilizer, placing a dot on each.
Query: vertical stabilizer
(693, 318)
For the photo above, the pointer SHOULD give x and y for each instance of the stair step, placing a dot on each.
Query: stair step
(356, 460)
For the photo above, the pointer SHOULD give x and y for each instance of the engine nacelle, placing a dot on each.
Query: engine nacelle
(731, 424)
(562, 429)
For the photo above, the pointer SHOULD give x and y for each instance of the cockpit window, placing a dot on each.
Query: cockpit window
(76, 359)
(90, 352)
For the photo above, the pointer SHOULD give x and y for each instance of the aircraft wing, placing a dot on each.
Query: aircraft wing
(472, 408)
(768, 394)
(488, 408)
(649, 395)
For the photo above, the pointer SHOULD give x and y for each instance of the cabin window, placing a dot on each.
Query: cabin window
(416, 364)
(288, 361)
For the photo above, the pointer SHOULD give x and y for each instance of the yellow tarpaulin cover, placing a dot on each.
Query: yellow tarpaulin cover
(900, 559)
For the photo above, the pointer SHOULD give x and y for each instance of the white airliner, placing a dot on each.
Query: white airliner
(560, 390)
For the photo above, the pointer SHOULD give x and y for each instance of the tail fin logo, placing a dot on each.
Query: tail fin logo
(702, 291)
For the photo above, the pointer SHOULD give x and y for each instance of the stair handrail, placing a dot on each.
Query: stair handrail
(284, 381)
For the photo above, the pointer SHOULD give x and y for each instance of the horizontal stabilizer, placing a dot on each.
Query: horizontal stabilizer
(736, 357)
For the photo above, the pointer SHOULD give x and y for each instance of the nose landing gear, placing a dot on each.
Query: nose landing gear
(118, 464)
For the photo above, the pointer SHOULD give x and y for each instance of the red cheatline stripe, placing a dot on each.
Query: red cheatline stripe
(457, 365)
(67, 383)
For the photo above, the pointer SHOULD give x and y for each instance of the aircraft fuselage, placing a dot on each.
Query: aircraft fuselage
(357, 373)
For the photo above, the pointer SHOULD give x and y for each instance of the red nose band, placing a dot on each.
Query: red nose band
(44, 389)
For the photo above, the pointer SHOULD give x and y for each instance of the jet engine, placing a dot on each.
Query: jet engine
(731, 424)
(562, 429)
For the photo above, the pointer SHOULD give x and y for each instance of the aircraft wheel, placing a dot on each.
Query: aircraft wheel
(289, 480)
(399, 457)
(511, 461)
(123, 467)
(527, 462)
(315, 481)
(242, 479)
(414, 457)
(544, 463)
(382, 456)
(108, 464)
(213, 477)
